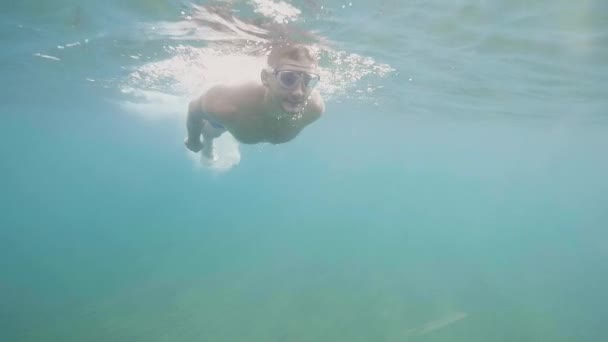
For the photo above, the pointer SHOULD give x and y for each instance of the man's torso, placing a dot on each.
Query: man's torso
(251, 123)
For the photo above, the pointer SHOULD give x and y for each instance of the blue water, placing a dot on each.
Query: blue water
(455, 189)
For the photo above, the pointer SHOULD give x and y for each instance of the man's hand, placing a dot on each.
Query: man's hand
(194, 145)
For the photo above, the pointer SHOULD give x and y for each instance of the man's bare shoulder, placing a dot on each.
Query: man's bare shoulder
(215, 101)
(226, 100)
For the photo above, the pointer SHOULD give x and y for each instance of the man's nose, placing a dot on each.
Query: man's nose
(298, 92)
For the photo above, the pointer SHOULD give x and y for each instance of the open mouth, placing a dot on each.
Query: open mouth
(293, 106)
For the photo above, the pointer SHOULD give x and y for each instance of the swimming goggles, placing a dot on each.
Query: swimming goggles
(290, 79)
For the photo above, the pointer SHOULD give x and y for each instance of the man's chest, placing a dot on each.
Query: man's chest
(274, 130)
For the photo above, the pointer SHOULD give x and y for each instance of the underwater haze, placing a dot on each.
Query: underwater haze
(454, 190)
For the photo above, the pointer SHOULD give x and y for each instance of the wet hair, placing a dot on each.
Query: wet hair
(295, 52)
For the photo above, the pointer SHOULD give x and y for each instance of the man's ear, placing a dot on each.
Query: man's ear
(264, 76)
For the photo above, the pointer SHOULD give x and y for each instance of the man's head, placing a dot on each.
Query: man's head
(291, 76)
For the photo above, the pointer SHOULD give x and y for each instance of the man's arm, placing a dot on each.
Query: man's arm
(216, 105)
(194, 124)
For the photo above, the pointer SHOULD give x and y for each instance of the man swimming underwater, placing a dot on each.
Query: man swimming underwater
(275, 110)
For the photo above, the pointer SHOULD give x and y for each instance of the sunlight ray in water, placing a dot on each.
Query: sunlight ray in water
(436, 324)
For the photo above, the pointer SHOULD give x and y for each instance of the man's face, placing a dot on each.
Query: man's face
(292, 82)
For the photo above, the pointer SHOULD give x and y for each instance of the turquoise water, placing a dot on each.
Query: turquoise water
(455, 190)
